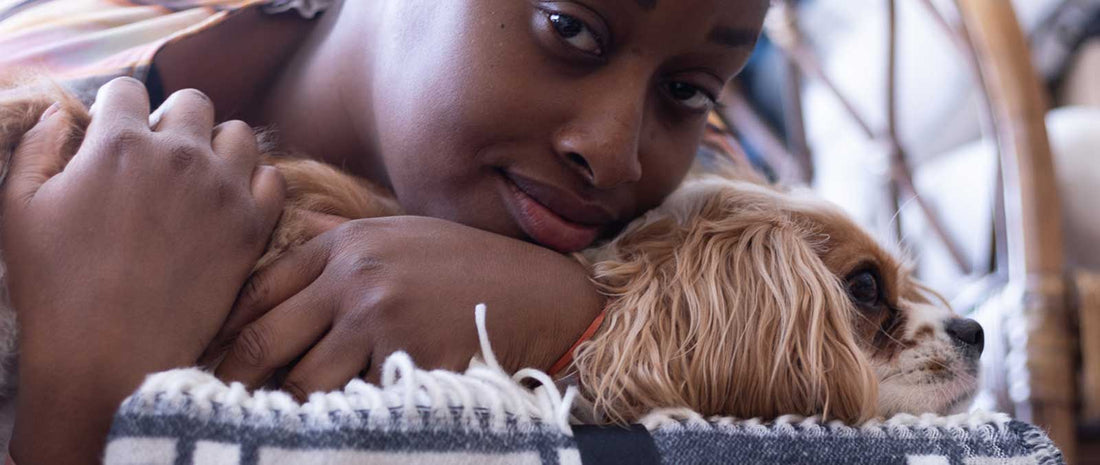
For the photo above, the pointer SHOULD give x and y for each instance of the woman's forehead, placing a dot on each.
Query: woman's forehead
(652, 4)
(727, 22)
(724, 30)
(703, 7)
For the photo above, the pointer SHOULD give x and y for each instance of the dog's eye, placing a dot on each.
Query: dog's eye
(863, 288)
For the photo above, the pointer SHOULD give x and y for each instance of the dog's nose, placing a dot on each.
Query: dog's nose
(967, 332)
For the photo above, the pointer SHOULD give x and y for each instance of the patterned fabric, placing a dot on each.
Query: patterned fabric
(482, 417)
(968, 439)
(89, 42)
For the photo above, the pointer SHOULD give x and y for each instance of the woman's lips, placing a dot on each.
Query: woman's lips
(545, 226)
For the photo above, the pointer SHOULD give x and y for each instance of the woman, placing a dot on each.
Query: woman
(513, 130)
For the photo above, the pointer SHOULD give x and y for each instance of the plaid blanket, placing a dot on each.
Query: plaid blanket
(188, 417)
(484, 416)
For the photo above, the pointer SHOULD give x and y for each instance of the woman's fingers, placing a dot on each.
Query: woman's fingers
(285, 278)
(269, 191)
(277, 338)
(37, 159)
(235, 143)
(373, 374)
(188, 113)
(338, 358)
(120, 105)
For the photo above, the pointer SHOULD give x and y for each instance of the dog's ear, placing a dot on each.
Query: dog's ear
(728, 311)
(799, 353)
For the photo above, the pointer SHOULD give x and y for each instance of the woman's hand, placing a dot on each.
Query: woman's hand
(351, 296)
(128, 260)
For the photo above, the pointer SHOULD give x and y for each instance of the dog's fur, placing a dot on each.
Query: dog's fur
(729, 299)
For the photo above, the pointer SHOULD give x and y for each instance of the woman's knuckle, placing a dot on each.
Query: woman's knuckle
(252, 347)
(235, 127)
(365, 264)
(126, 81)
(240, 139)
(256, 290)
(125, 140)
(277, 181)
(195, 95)
(184, 154)
(296, 388)
(384, 304)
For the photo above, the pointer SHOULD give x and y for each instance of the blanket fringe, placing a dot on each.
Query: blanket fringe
(408, 397)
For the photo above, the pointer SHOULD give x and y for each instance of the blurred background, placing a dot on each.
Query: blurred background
(966, 133)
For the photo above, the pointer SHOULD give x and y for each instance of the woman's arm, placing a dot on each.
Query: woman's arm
(127, 261)
(359, 292)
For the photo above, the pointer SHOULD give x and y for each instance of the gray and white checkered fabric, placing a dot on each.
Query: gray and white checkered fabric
(188, 417)
(968, 439)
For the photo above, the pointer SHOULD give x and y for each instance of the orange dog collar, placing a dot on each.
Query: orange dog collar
(567, 359)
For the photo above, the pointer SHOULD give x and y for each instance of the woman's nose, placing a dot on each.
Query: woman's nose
(602, 142)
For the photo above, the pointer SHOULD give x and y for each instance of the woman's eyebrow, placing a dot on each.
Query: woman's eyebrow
(732, 37)
(646, 4)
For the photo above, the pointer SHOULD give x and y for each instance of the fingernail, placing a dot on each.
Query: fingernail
(50, 111)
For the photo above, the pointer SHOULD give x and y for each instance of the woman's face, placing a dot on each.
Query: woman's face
(554, 121)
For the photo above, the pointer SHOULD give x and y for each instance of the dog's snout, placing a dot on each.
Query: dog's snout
(967, 332)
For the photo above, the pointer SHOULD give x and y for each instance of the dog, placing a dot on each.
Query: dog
(739, 299)
(732, 298)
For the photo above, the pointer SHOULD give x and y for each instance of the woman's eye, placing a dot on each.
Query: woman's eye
(690, 96)
(863, 288)
(576, 33)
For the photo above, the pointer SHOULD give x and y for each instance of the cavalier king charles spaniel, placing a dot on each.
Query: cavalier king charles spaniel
(732, 298)
(737, 298)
